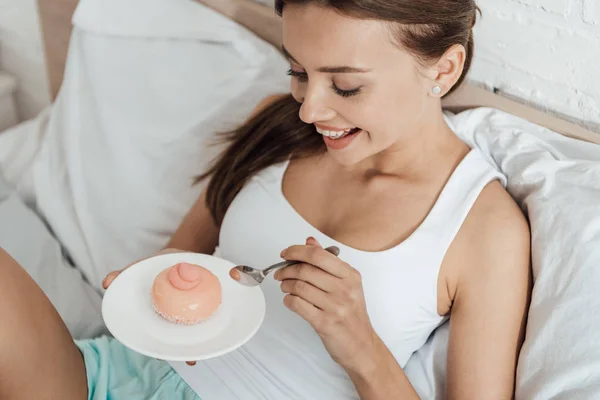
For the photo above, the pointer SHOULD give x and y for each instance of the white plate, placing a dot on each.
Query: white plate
(128, 314)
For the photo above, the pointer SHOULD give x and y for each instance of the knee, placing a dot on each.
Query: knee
(5, 260)
(11, 277)
(7, 265)
(5, 257)
(16, 295)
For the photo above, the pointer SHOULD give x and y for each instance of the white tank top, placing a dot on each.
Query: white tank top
(286, 359)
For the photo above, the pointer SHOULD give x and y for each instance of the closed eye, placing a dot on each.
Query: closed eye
(301, 76)
(345, 93)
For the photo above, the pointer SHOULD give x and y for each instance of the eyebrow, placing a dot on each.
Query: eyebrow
(331, 70)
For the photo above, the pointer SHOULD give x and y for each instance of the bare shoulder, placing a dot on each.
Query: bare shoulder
(492, 246)
(496, 221)
(496, 236)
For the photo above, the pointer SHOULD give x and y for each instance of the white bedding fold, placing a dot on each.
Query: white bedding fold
(180, 19)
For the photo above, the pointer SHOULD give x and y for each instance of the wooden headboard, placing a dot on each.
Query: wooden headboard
(56, 29)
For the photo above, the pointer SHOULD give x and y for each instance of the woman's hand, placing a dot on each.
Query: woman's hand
(328, 293)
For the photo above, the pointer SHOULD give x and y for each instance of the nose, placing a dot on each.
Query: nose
(314, 106)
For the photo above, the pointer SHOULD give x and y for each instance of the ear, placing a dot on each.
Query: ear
(448, 69)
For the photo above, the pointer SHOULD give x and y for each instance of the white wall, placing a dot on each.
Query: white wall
(545, 52)
(22, 55)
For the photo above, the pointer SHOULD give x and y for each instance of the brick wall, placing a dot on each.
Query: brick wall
(542, 52)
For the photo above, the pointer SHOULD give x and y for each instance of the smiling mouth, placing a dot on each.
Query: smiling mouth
(337, 134)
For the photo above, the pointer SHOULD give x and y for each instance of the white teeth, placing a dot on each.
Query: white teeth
(333, 134)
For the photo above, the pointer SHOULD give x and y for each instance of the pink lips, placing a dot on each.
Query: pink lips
(330, 128)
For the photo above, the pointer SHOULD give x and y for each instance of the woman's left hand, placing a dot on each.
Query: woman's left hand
(328, 293)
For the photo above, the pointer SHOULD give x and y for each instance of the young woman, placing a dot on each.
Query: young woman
(358, 156)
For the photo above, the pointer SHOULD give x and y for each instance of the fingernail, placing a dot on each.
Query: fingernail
(313, 241)
(276, 275)
(104, 282)
(282, 254)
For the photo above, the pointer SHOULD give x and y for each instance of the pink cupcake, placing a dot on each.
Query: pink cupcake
(186, 294)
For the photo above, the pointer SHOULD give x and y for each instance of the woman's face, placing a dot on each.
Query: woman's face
(348, 74)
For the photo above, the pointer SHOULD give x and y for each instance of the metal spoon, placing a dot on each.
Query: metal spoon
(249, 276)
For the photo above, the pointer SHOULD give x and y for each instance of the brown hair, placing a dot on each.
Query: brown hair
(425, 28)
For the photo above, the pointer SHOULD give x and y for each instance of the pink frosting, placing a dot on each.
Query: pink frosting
(184, 276)
(186, 293)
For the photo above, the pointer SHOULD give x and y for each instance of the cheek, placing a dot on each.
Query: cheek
(405, 105)
(394, 107)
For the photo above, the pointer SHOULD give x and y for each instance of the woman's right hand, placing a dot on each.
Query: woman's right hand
(114, 274)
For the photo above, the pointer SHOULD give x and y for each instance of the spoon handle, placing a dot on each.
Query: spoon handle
(279, 265)
(332, 249)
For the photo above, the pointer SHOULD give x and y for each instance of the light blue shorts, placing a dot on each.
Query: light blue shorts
(115, 372)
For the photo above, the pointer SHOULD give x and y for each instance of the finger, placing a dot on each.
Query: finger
(308, 292)
(318, 257)
(310, 274)
(191, 363)
(311, 241)
(303, 308)
(109, 279)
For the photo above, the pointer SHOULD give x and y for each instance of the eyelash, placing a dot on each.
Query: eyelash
(303, 77)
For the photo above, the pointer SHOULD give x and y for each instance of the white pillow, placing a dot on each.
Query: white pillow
(160, 19)
(19, 146)
(557, 181)
(132, 124)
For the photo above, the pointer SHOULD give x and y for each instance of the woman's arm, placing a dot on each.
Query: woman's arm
(380, 377)
(491, 300)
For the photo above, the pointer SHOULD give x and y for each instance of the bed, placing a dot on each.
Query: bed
(90, 170)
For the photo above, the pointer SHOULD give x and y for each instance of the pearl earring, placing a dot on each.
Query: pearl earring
(437, 90)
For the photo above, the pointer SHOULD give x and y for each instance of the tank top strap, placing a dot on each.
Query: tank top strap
(457, 198)
(272, 175)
